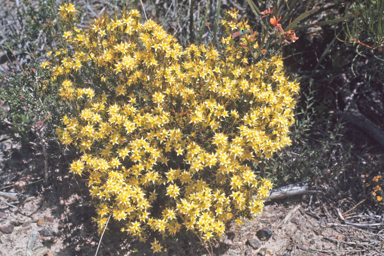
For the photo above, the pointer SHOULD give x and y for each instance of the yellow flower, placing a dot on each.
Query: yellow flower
(67, 34)
(239, 222)
(208, 236)
(77, 167)
(267, 183)
(45, 64)
(70, 8)
(179, 151)
(262, 193)
(156, 247)
(169, 214)
(236, 182)
(173, 190)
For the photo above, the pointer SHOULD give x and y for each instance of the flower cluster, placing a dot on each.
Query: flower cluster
(376, 184)
(286, 37)
(67, 11)
(168, 135)
(249, 38)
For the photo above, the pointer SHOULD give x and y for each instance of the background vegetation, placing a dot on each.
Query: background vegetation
(338, 59)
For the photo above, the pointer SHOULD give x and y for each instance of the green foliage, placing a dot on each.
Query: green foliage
(366, 33)
(319, 148)
(318, 151)
(368, 19)
(29, 98)
(28, 109)
(35, 21)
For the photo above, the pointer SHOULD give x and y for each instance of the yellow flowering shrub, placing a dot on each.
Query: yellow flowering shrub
(168, 135)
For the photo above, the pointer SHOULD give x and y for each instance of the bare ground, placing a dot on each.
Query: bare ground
(56, 219)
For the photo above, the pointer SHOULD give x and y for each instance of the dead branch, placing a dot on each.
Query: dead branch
(291, 190)
(12, 196)
(352, 115)
(358, 225)
(289, 216)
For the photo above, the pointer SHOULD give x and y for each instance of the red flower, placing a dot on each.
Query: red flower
(274, 22)
(267, 12)
(289, 37)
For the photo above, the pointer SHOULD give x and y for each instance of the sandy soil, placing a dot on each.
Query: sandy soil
(56, 219)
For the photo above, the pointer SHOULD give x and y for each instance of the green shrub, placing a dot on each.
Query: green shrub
(30, 106)
(318, 152)
(169, 135)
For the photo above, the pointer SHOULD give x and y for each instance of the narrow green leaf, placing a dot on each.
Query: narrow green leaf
(216, 24)
(380, 12)
(292, 4)
(275, 9)
(202, 28)
(328, 22)
(300, 18)
(254, 8)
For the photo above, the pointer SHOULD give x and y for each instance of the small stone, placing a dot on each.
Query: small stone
(234, 247)
(7, 229)
(262, 252)
(46, 232)
(248, 252)
(48, 219)
(236, 239)
(244, 228)
(227, 241)
(2, 214)
(233, 254)
(40, 222)
(295, 221)
(254, 243)
(264, 234)
(312, 242)
(286, 254)
(230, 235)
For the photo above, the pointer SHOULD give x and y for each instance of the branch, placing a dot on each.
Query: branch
(12, 196)
(191, 32)
(291, 190)
(353, 115)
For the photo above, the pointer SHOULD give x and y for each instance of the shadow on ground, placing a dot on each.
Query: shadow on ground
(66, 198)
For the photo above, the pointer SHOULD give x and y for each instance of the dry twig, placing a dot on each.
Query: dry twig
(105, 227)
(289, 216)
